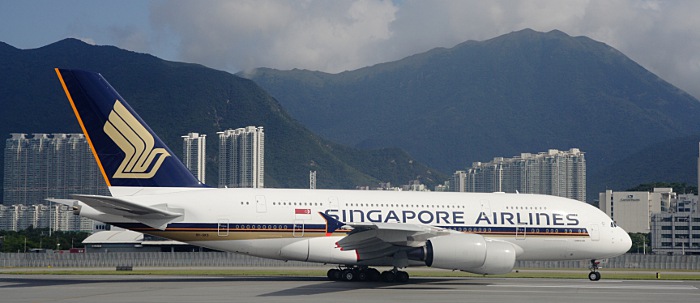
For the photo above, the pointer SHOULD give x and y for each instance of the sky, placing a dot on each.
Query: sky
(334, 36)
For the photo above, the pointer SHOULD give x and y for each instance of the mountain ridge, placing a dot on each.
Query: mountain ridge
(176, 98)
(525, 91)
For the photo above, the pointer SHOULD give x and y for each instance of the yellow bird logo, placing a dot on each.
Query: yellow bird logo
(136, 143)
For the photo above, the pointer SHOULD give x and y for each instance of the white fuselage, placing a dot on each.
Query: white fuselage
(286, 224)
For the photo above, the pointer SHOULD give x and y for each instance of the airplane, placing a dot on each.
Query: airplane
(484, 233)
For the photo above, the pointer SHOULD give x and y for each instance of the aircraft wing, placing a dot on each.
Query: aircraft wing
(156, 216)
(376, 240)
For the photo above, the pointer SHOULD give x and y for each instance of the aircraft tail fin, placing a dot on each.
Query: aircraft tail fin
(127, 151)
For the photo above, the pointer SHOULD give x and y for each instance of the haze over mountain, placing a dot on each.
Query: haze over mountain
(526, 91)
(177, 98)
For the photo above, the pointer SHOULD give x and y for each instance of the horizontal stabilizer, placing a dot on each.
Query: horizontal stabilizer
(68, 202)
(153, 216)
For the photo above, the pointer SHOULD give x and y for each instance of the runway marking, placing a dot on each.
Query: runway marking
(604, 286)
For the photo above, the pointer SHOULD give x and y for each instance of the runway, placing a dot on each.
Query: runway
(107, 289)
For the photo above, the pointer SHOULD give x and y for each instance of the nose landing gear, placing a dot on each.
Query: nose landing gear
(594, 275)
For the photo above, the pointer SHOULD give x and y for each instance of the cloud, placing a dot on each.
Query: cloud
(237, 35)
(131, 38)
(333, 36)
(87, 40)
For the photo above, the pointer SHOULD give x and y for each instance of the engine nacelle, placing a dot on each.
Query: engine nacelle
(470, 253)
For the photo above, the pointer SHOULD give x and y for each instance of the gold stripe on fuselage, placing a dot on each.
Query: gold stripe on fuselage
(190, 234)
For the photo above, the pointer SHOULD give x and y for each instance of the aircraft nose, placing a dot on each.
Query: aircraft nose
(625, 242)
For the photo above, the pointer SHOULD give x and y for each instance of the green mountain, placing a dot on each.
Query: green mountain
(177, 98)
(670, 161)
(526, 91)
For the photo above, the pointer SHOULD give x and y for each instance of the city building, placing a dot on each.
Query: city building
(414, 185)
(678, 230)
(555, 172)
(49, 166)
(632, 210)
(5, 218)
(458, 182)
(52, 216)
(242, 157)
(672, 219)
(44, 166)
(194, 154)
(443, 187)
(380, 186)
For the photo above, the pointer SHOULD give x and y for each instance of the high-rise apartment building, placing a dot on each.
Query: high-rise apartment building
(558, 173)
(194, 154)
(43, 166)
(46, 166)
(242, 157)
(53, 216)
(458, 182)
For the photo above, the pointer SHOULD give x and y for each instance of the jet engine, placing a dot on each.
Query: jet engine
(467, 252)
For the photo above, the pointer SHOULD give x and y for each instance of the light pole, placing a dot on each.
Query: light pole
(50, 225)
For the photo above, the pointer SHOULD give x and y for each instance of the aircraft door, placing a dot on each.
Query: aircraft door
(298, 231)
(260, 204)
(333, 203)
(520, 232)
(222, 228)
(485, 207)
(594, 232)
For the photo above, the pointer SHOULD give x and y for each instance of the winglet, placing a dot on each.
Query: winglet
(331, 223)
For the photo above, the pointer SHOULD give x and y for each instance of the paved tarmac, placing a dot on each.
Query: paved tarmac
(172, 289)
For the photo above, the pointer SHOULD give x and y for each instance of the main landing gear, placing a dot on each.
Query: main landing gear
(363, 273)
(594, 275)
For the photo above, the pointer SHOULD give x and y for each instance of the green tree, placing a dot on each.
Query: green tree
(640, 242)
(30, 238)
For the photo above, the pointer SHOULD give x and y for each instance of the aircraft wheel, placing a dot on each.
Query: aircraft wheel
(373, 274)
(388, 276)
(402, 276)
(594, 276)
(333, 274)
(348, 275)
(361, 275)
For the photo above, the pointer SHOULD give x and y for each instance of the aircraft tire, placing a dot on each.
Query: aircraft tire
(402, 277)
(361, 275)
(348, 275)
(333, 274)
(388, 276)
(373, 274)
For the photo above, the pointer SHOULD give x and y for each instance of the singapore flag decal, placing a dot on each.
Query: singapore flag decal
(302, 211)
(302, 214)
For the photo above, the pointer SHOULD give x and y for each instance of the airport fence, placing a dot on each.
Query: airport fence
(626, 261)
(142, 259)
(232, 260)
